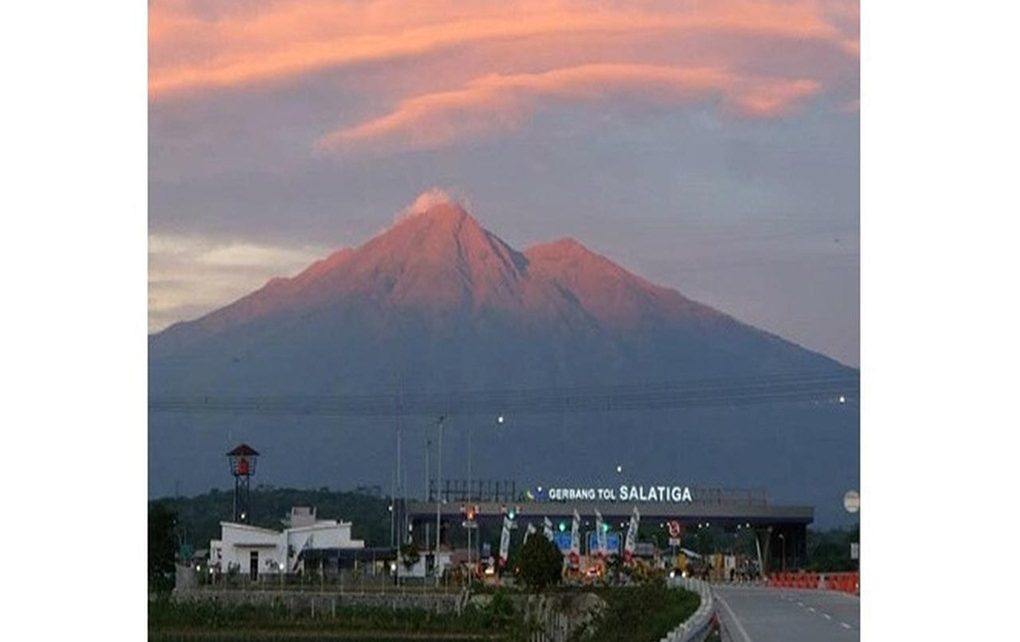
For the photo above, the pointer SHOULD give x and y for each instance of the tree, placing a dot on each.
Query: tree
(162, 546)
(540, 563)
(829, 551)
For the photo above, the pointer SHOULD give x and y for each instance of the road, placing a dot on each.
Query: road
(760, 614)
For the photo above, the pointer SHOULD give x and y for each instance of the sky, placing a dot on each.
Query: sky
(710, 145)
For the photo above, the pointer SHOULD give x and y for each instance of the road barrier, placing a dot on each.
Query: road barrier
(699, 625)
(842, 582)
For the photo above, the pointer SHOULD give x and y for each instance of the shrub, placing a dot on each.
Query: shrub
(540, 564)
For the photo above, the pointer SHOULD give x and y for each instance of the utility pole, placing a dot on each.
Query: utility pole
(398, 525)
(469, 495)
(401, 481)
(393, 495)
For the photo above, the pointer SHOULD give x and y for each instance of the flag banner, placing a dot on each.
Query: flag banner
(504, 541)
(528, 533)
(548, 529)
(600, 534)
(575, 535)
(632, 531)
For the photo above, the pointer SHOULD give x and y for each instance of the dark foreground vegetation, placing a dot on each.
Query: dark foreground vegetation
(173, 621)
(829, 551)
(638, 613)
(646, 612)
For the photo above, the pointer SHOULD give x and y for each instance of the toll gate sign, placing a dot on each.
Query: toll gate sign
(562, 541)
(612, 542)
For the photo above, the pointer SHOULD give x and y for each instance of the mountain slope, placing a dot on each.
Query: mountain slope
(437, 303)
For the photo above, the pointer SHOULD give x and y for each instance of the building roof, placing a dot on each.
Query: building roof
(730, 513)
(244, 450)
(249, 527)
(319, 525)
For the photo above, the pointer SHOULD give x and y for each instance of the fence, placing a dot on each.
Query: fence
(369, 578)
(699, 625)
(313, 603)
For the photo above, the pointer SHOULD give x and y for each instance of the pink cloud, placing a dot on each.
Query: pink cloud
(224, 45)
(502, 102)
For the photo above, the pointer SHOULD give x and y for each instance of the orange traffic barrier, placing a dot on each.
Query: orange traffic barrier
(844, 582)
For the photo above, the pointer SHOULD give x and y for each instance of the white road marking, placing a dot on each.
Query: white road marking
(844, 625)
(827, 616)
(733, 616)
(811, 608)
(800, 604)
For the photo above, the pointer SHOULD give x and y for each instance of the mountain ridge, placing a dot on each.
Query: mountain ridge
(442, 258)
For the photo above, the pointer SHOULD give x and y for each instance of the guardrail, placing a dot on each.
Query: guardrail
(699, 625)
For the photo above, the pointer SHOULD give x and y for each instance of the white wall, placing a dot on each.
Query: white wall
(239, 540)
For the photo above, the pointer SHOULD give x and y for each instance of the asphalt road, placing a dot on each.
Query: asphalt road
(760, 614)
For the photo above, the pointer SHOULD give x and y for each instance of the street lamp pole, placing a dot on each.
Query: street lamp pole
(428, 447)
(469, 462)
(782, 539)
(400, 488)
(469, 496)
(439, 491)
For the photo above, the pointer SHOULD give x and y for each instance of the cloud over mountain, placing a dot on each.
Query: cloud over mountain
(461, 71)
(501, 103)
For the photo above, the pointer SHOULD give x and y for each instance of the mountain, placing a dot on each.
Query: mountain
(438, 304)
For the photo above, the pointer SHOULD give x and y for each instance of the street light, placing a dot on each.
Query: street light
(469, 496)
(397, 490)
(782, 539)
(619, 469)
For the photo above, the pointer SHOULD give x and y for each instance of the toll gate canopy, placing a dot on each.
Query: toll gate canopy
(780, 529)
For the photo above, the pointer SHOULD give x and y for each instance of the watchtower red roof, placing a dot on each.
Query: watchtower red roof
(244, 450)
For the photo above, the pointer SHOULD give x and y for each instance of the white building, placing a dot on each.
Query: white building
(253, 550)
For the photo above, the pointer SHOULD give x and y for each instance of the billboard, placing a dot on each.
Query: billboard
(562, 541)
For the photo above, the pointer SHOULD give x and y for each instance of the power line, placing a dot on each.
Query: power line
(730, 391)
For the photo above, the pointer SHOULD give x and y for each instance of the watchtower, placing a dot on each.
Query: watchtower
(242, 467)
